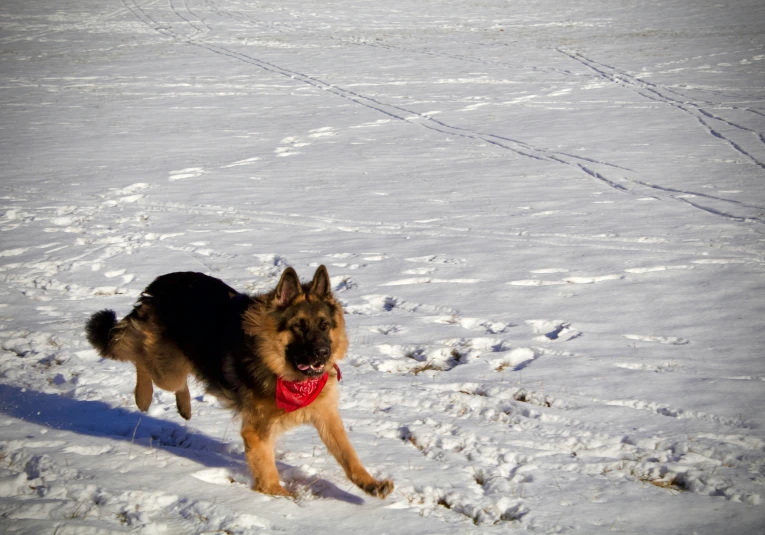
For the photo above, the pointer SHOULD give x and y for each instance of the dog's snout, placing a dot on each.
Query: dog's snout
(322, 353)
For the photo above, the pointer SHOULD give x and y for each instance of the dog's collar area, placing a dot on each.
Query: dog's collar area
(294, 395)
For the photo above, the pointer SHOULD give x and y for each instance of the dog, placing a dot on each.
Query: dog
(271, 357)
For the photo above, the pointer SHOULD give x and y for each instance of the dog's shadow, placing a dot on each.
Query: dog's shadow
(96, 418)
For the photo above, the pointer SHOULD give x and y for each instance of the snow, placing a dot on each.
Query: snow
(544, 220)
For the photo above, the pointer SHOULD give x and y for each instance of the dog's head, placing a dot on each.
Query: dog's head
(300, 327)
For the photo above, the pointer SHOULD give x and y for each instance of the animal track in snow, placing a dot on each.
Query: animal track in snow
(482, 344)
(387, 303)
(416, 359)
(268, 267)
(473, 324)
(553, 330)
(668, 340)
(445, 355)
(673, 412)
(385, 329)
(342, 283)
(515, 359)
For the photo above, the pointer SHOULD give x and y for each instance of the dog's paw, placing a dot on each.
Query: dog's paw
(183, 403)
(379, 489)
(274, 490)
(143, 399)
(185, 413)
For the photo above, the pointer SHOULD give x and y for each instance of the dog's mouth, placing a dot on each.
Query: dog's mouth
(311, 370)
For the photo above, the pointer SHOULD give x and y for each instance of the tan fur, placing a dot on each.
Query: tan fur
(258, 323)
(156, 361)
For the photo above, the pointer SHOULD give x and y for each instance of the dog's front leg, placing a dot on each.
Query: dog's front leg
(259, 452)
(332, 433)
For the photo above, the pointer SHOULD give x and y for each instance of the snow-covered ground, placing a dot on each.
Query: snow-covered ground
(545, 219)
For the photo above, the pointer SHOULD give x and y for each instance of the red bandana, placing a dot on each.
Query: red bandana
(294, 395)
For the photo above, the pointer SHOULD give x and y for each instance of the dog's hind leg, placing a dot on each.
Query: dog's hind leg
(183, 402)
(144, 390)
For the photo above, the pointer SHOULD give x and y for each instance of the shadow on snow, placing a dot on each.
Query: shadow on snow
(96, 418)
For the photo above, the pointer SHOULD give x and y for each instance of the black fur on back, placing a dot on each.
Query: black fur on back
(203, 316)
(98, 330)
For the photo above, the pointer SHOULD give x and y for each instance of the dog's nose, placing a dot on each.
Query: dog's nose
(321, 353)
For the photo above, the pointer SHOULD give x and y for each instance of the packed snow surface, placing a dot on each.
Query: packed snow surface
(545, 221)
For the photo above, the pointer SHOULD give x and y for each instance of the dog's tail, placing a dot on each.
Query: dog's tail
(99, 331)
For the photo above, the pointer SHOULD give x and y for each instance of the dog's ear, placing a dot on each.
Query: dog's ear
(288, 288)
(321, 287)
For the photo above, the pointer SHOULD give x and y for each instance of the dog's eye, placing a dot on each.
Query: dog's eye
(301, 327)
(324, 325)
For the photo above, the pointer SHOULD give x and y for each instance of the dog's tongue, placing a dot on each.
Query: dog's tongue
(306, 367)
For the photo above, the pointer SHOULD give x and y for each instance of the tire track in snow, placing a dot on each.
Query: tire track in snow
(359, 41)
(289, 30)
(191, 22)
(515, 146)
(398, 113)
(594, 174)
(653, 92)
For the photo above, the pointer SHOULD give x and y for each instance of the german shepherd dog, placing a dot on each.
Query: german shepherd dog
(270, 357)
